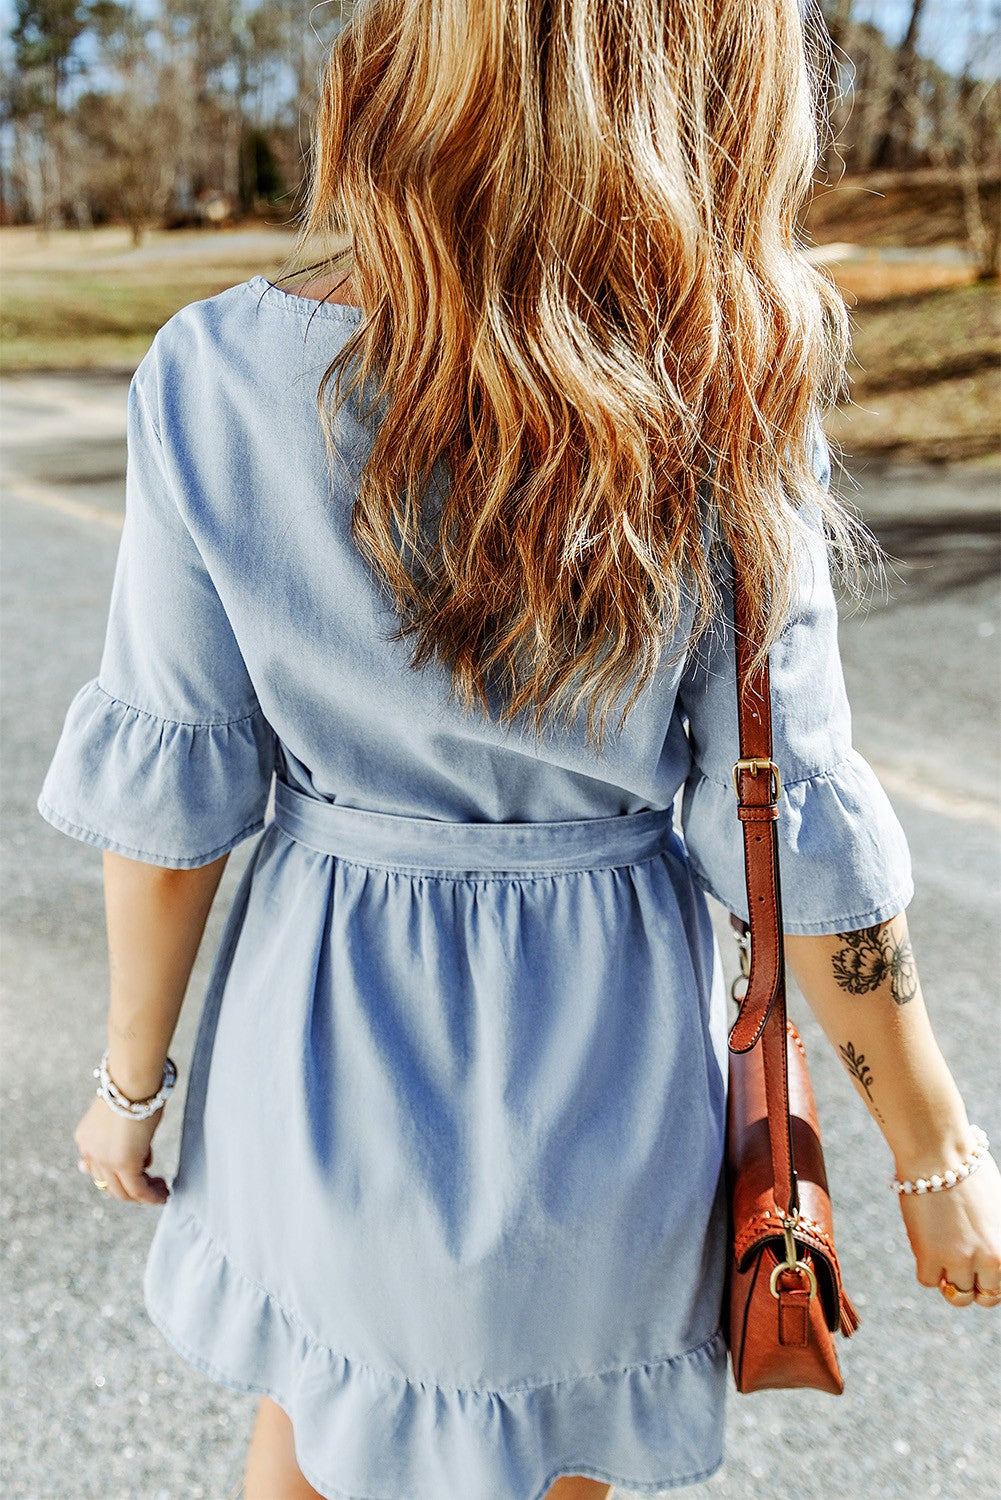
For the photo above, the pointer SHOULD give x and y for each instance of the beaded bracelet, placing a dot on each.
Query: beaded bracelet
(134, 1109)
(937, 1183)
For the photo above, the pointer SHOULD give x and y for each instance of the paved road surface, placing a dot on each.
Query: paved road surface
(98, 1407)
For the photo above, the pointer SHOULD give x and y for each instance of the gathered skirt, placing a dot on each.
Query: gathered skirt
(450, 1177)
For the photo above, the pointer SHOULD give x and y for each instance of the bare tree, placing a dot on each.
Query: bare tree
(45, 34)
(218, 96)
(130, 128)
(977, 107)
(890, 142)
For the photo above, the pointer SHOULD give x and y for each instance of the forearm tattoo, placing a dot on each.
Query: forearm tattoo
(870, 957)
(860, 1070)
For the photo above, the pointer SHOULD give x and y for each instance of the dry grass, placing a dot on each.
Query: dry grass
(948, 421)
(871, 279)
(78, 301)
(925, 383)
(905, 340)
(918, 209)
(926, 377)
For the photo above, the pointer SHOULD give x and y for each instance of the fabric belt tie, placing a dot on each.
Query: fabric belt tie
(441, 846)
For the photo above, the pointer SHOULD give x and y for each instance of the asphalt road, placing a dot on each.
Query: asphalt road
(97, 1406)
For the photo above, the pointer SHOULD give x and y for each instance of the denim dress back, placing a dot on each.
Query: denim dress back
(450, 1176)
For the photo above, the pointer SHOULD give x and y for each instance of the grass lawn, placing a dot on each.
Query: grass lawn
(80, 301)
(86, 321)
(925, 379)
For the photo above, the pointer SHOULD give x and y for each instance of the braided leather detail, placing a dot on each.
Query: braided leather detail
(764, 1226)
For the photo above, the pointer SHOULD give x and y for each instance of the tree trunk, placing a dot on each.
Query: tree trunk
(839, 22)
(885, 153)
(990, 269)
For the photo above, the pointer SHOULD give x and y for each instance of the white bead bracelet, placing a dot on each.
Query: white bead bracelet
(939, 1181)
(134, 1109)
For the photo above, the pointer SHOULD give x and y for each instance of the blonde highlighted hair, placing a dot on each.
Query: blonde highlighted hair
(589, 322)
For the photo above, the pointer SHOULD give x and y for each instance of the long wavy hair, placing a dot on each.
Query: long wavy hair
(597, 345)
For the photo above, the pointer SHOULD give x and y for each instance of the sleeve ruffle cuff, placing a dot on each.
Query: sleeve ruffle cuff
(169, 793)
(844, 861)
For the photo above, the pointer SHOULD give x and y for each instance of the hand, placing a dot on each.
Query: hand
(956, 1236)
(118, 1151)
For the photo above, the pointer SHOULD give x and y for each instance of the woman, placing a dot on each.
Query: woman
(449, 1193)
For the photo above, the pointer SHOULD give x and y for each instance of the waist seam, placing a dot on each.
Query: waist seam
(435, 872)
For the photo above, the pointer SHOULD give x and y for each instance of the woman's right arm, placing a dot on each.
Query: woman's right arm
(864, 989)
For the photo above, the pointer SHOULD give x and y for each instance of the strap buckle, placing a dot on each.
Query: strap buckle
(754, 764)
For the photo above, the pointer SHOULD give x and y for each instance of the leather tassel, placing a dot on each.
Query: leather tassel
(849, 1317)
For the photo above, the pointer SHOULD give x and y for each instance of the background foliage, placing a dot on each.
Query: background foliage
(182, 111)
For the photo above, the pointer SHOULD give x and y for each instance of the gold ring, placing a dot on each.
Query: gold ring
(99, 1184)
(950, 1291)
(987, 1291)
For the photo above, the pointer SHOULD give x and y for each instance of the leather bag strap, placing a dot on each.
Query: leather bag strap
(762, 1014)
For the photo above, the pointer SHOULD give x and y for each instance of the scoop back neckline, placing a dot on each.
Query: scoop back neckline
(306, 306)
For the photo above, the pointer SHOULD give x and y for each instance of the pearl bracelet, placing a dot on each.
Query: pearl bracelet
(939, 1181)
(134, 1109)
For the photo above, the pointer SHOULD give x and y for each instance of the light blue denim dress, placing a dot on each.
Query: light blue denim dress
(449, 1186)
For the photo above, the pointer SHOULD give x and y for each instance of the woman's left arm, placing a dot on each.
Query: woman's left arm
(155, 922)
(863, 987)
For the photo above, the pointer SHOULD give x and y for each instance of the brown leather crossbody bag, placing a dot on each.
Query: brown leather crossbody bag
(784, 1299)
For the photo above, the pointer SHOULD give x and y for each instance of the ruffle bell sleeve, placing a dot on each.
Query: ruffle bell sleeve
(165, 755)
(844, 861)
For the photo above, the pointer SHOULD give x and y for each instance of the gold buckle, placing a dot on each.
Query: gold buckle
(754, 764)
(791, 1263)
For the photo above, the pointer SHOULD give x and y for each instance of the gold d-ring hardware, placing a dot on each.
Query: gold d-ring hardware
(791, 1263)
(754, 764)
(743, 941)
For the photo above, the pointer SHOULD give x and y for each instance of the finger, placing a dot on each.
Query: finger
(113, 1188)
(98, 1178)
(987, 1287)
(957, 1286)
(160, 1183)
(143, 1189)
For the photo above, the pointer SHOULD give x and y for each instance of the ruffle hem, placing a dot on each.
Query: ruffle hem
(367, 1434)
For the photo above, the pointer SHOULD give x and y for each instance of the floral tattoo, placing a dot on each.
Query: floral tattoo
(872, 956)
